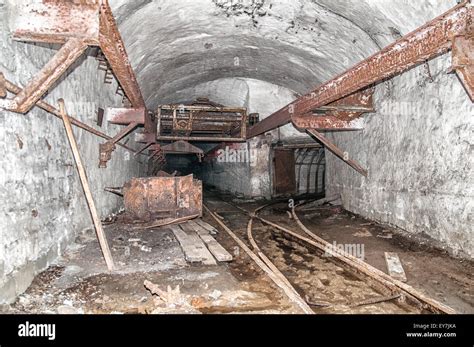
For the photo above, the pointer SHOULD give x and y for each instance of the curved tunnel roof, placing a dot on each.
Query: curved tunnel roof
(178, 48)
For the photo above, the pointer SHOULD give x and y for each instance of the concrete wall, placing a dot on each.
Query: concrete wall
(418, 149)
(43, 205)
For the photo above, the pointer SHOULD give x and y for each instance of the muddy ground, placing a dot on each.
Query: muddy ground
(80, 282)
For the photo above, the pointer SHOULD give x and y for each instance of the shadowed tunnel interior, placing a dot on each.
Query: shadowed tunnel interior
(385, 164)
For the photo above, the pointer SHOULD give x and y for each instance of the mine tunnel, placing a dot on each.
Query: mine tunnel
(219, 156)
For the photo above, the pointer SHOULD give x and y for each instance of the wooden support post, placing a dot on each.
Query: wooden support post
(337, 151)
(3, 89)
(87, 191)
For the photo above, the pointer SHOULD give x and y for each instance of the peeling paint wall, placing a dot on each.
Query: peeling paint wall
(43, 204)
(418, 149)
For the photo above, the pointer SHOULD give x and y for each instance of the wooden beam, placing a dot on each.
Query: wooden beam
(87, 191)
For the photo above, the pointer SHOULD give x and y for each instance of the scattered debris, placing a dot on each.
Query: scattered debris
(363, 233)
(216, 294)
(145, 248)
(171, 300)
(66, 309)
(394, 266)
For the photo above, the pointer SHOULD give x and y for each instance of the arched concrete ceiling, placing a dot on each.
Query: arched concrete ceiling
(177, 46)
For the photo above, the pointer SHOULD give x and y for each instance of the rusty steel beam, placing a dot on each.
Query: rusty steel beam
(201, 138)
(141, 150)
(142, 137)
(463, 62)
(77, 25)
(343, 114)
(106, 149)
(113, 48)
(425, 43)
(55, 21)
(124, 116)
(181, 147)
(328, 123)
(49, 74)
(338, 152)
(12, 88)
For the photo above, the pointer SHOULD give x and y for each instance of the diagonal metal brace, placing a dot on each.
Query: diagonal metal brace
(106, 149)
(48, 75)
(338, 152)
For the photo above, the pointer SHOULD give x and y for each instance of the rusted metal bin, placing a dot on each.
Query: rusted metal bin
(155, 198)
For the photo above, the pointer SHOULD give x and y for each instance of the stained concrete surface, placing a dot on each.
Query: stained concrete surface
(43, 205)
(418, 150)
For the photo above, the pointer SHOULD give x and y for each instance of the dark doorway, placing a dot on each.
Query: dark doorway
(284, 178)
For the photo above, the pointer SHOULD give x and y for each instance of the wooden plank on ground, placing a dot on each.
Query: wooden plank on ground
(193, 247)
(214, 247)
(394, 266)
(208, 227)
(198, 244)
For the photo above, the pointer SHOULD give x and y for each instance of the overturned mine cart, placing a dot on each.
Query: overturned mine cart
(161, 198)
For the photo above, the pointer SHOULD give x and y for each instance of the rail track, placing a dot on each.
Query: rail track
(380, 288)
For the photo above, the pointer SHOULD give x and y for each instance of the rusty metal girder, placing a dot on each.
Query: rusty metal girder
(463, 62)
(12, 88)
(114, 50)
(142, 137)
(77, 25)
(425, 43)
(343, 114)
(57, 21)
(106, 149)
(338, 152)
(125, 116)
(328, 123)
(49, 74)
(181, 147)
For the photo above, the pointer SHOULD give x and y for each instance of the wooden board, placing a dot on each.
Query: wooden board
(193, 247)
(208, 227)
(214, 247)
(198, 243)
(394, 266)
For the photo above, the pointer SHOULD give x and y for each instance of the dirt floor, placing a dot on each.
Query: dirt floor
(80, 283)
